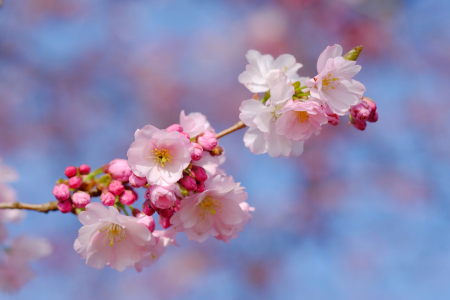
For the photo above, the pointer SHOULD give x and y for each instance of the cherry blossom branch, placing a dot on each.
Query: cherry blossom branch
(44, 207)
(235, 127)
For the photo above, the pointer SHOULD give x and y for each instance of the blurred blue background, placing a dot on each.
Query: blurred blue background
(361, 215)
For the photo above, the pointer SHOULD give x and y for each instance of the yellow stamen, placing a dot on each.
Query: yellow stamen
(302, 116)
(329, 82)
(209, 206)
(161, 157)
(114, 233)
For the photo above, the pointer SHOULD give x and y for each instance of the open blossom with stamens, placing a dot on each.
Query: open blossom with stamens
(334, 84)
(211, 212)
(109, 238)
(164, 238)
(299, 120)
(159, 155)
(261, 67)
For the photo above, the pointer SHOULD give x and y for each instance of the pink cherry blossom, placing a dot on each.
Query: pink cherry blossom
(61, 192)
(107, 198)
(75, 182)
(175, 127)
(159, 155)
(198, 152)
(119, 169)
(81, 199)
(261, 67)
(208, 140)
(162, 196)
(299, 120)
(136, 181)
(211, 163)
(334, 84)
(109, 238)
(208, 213)
(231, 232)
(194, 123)
(164, 238)
(116, 187)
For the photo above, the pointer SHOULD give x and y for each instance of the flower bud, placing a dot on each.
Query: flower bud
(200, 187)
(333, 119)
(75, 182)
(216, 151)
(81, 199)
(198, 151)
(108, 198)
(147, 208)
(65, 206)
(136, 212)
(199, 173)
(70, 171)
(175, 127)
(185, 135)
(176, 206)
(189, 183)
(147, 221)
(119, 170)
(354, 53)
(162, 197)
(360, 112)
(373, 118)
(128, 197)
(166, 213)
(61, 192)
(116, 187)
(136, 181)
(84, 169)
(361, 125)
(208, 140)
(164, 222)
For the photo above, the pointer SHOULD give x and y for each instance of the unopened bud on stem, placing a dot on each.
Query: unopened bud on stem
(354, 53)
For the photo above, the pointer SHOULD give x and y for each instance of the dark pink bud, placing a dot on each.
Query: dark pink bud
(333, 119)
(373, 117)
(70, 171)
(108, 198)
(135, 212)
(61, 192)
(147, 221)
(65, 206)
(164, 222)
(208, 140)
(116, 187)
(185, 135)
(147, 208)
(136, 181)
(75, 182)
(189, 183)
(198, 151)
(175, 127)
(177, 206)
(199, 173)
(128, 196)
(84, 169)
(81, 199)
(166, 213)
(147, 193)
(360, 112)
(361, 125)
(370, 103)
(200, 187)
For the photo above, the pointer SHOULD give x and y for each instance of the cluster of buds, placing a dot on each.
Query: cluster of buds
(74, 192)
(364, 112)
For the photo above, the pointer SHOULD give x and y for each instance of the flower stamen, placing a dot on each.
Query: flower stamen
(161, 157)
(114, 233)
(302, 116)
(209, 206)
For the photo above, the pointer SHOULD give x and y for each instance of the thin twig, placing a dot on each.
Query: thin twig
(237, 126)
(44, 207)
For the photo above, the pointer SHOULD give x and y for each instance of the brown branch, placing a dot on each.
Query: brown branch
(237, 126)
(44, 207)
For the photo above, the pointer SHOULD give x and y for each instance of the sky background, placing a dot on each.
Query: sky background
(360, 215)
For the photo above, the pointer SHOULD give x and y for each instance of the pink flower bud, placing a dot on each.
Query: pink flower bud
(176, 206)
(208, 140)
(70, 171)
(119, 170)
(360, 112)
(116, 187)
(128, 197)
(175, 127)
(61, 192)
(147, 221)
(81, 199)
(84, 169)
(373, 117)
(136, 181)
(166, 213)
(189, 183)
(162, 197)
(147, 193)
(198, 151)
(164, 222)
(147, 208)
(185, 135)
(199, 173)
(65, 206)
(75, 182)
(108, 198)
(361, 125)
(333, 119)
(370, 103)
(200, 187)
(136, 212)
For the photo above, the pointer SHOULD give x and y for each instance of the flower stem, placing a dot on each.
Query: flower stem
(94, 173)
(237, 126)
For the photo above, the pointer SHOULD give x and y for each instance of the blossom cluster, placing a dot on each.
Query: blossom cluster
(294, 108)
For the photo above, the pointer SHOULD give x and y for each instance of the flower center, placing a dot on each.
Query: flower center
(209, 206)
(329, 82)
(302, 116)
(114, 233)
(161, 157)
